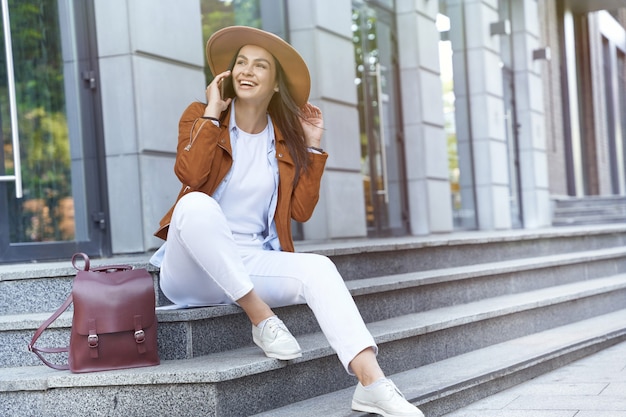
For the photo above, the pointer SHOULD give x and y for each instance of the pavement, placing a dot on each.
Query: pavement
(594, 386)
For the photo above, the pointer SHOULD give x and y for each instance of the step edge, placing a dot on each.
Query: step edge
(338, 248)
(566, 292)
(366, 286)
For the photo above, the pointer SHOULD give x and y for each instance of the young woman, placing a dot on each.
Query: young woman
(250, 161)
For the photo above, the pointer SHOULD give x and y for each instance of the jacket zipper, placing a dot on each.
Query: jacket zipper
(193, 138)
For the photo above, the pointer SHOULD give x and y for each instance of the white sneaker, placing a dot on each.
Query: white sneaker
(384, 398)
(275, 340)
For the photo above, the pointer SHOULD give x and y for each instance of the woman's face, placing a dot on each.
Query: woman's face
(254, 75)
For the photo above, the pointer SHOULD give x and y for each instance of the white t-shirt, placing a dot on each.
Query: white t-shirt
(247, 196)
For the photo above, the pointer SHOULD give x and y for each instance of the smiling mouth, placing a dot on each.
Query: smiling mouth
(246, 83)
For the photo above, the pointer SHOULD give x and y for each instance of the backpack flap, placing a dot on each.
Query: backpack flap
(114, 300)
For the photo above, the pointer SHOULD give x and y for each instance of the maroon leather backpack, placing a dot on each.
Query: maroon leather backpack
(114, 324)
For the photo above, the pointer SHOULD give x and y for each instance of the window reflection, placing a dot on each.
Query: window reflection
(46, 213)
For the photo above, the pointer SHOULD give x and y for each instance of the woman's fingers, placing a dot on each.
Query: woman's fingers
(311, 111)
(214, 91)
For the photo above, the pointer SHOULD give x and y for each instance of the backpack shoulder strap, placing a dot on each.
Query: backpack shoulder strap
(39, 351)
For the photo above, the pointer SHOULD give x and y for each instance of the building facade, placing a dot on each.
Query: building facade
(440, 115)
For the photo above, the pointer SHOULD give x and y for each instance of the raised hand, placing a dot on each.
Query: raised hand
(216, 104)
(312, 124)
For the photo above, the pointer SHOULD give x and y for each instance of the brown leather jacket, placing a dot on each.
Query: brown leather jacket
(204, 157)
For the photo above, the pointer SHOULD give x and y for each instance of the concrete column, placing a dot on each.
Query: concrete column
(480, 109)
(321, 31)
(430, 208)
(535, 193)
(148, 76)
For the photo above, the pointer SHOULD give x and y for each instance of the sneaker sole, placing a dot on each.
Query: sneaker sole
(367, 409)
(283, 357)
(356, 406)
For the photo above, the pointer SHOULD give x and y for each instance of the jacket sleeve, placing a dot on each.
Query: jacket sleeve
(307, 191)
(197, 142)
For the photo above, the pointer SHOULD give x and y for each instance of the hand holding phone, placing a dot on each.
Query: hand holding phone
(219, 86)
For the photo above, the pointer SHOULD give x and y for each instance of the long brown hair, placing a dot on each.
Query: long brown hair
(285, 115)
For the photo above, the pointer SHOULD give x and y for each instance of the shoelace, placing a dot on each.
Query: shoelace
(275, 325)
(392, 387)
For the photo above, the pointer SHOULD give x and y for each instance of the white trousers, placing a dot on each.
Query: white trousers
(204, 264)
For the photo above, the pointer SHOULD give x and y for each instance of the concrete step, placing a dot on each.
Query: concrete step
(183, 332)
(590, 201)
(450, 384)
(31, 288)
(614, 209)
(381, 257)
(589, 211)
(569, 220)
(215, 384)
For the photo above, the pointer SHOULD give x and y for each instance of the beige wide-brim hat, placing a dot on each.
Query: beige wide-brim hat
(223, 44)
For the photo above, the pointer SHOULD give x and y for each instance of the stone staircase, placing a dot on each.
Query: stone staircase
(457, 317)
(570, 211)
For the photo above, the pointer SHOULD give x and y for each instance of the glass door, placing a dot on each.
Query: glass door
(510, 118)
(512, 145)
(50, 182)
(382, 150)
(614, 65)
(457, 116)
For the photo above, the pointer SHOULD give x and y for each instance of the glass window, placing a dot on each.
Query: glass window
(46, 213)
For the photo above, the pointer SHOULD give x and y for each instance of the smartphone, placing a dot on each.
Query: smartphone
(225, 88)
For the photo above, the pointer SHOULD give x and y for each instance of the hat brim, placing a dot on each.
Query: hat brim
(223, 44)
